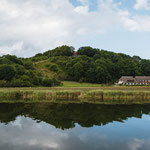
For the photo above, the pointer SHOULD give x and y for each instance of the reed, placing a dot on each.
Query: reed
(67, 95)
(116, 96)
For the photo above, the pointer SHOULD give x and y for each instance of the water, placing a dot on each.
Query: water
(74, 127)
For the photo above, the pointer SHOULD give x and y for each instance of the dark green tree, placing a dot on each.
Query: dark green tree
(7, 72)
(88, 51)
(63, 51)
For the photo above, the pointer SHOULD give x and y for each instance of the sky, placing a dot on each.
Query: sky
(28, 27)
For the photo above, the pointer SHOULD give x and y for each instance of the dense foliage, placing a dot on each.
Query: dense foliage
(90, 65)
(95, 65)
(17, 72)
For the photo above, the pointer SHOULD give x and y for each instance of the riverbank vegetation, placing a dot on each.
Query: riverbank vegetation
(90, 94)
(86, 65)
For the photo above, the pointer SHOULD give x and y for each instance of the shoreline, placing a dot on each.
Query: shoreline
(102, 95)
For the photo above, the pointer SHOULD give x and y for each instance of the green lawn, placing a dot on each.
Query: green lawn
(77, 84)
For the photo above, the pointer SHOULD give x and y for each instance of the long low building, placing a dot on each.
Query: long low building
(137, 80)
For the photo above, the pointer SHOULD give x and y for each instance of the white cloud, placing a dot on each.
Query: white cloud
(143, 22)
(30, 26)
(135, 144)
(142, 4)
(81, 9)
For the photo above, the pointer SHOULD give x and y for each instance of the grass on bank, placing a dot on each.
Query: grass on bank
(97, 96)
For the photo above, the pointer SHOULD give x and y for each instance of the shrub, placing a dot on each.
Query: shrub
(47, 82)
(3, 83)
(20, 83)
(28, 65)
(53, 67)
(51, 82)
(14, 59)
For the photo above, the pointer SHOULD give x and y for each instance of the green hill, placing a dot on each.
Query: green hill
(88, 65)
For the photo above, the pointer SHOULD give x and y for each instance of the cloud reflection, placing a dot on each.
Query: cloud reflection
(27, 134)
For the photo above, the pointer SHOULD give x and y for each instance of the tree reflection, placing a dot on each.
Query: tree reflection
(65, 116)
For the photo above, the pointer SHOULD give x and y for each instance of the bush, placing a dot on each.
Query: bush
(14, 59)
(54, 68)
(51, 82)
(3, 83)
(28, 65)
(56, 82)
(47, 82)
(20, 83)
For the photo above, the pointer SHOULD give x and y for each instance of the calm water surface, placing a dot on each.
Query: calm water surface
(74, 127)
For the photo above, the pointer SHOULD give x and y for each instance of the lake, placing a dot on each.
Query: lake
(55, 126)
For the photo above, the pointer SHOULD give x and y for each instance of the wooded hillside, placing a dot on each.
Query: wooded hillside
(89, 65)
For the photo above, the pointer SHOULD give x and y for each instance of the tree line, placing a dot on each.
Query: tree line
(89, 65)
(94, 65)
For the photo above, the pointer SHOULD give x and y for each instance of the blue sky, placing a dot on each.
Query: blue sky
(31, 26)
(129, 42)
(92, 4)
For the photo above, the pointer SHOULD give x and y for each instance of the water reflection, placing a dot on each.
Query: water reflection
(33, 127)
(65, 116)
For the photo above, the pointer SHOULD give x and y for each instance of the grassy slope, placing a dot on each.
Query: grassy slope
(41, 66)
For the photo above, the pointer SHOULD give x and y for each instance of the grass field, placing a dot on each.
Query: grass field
(70, 85)
(67, 85)
(77, 84)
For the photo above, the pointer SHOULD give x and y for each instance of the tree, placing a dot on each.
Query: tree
(20, 70)
(7, 72)
(28, 65)
(145, 67)
(53, 67)
(102, 75)
(137, 58)
(88, 51)
(78, 71)
(63, 51)
(14, 59)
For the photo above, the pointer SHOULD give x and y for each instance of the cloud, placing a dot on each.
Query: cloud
(26, 134)
(142, 4)
(135, 144)
(30, 26)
